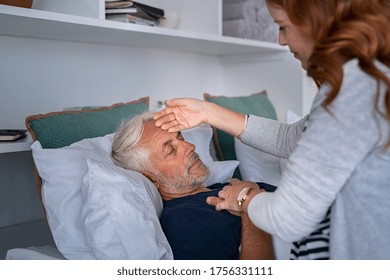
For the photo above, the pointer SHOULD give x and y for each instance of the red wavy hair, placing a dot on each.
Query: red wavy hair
(343, 30)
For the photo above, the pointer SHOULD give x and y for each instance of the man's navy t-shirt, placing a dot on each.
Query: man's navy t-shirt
(195, 230)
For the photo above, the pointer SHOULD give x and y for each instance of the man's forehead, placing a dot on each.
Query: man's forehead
(152, 133)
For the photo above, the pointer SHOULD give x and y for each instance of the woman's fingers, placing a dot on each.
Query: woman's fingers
(169, 124)
(164, 116)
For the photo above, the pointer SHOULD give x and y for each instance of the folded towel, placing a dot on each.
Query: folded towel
(270, 33)
(227, 2)
(257, 3)
(246, 29)
(241, 10)
(241, 28)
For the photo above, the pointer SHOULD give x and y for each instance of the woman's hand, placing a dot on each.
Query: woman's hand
(185, 113)
(182, 113)
(227, 197)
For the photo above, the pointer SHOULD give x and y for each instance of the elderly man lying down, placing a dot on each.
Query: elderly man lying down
(194, 229)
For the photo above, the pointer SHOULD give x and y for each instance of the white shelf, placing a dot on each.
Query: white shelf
(16, 146)
(57, 26)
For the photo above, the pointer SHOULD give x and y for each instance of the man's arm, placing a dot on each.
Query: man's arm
(256, 244)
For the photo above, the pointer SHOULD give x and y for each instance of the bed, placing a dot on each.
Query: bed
(71, 152)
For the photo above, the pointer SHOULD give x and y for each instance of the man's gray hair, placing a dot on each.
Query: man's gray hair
(126, 152)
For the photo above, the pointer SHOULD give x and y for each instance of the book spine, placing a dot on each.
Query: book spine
(121, 11)
(149, 9)
(139, 20)
(128, 18)
(142, 14)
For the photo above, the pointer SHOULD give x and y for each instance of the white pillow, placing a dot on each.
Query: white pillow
(120, 214)
(220, 171)
(257, 166)
(292, 117)
(62, 171)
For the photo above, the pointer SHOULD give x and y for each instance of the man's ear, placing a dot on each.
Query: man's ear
(152, 178)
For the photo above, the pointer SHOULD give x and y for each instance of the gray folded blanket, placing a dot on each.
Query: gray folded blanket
(246, 29)
(249, 19)
(264, 18)
(241, 28)
(241, 10)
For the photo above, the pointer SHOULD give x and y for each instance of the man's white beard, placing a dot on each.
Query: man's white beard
(189, 181)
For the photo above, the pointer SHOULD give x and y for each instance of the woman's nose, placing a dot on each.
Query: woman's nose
(282, 39)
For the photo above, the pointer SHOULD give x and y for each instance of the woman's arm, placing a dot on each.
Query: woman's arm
(273, 137)
(185, 113)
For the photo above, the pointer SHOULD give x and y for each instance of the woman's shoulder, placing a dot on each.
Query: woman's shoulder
(352, 69)
(358, 88)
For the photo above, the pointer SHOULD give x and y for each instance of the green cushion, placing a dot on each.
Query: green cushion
(256, 104)
(60, 129)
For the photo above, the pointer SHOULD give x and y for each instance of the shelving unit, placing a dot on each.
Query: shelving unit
(21, 145)
(57, 26)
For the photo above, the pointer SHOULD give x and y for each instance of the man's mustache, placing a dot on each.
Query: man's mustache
(194, 157)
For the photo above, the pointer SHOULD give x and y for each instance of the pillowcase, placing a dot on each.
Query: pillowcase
(220, 171)
(60, 129)
(257, 166)
(62, 171)
(292, 117)
(121, 214)
(256, 104)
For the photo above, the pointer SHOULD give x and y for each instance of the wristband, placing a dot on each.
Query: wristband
(245, 123)
(243, 195)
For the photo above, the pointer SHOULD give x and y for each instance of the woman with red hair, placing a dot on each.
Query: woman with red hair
(339, 154)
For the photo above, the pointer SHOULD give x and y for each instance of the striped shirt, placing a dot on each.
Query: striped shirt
(316, 245)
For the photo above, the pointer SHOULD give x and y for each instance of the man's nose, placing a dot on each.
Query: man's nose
(189, 147)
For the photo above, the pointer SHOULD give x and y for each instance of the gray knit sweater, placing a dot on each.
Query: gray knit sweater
(336, 158)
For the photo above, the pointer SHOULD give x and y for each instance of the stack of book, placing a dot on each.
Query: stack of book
(133, 12)
(12, 134)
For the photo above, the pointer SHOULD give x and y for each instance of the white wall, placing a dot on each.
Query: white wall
(38, 76)
(280, 76)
